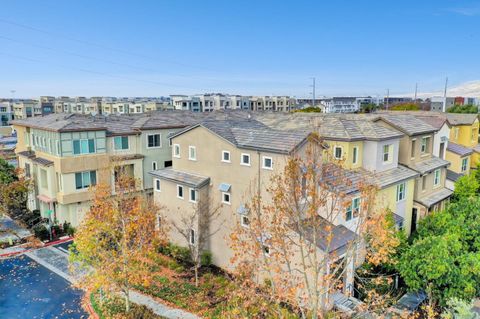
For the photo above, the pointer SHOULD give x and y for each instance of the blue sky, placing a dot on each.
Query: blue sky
(152, 48)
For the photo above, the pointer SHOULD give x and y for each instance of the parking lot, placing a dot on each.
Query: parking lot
(30, 290)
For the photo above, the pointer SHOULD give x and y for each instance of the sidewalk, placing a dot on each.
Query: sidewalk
(56, 260)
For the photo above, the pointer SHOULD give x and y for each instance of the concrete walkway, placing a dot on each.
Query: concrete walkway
(56, 260)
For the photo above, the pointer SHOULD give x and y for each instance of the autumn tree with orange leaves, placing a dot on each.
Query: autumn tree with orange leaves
(115, 238)
(293, 242)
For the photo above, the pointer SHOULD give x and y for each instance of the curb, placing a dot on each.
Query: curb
(56, 242)
(89, 308)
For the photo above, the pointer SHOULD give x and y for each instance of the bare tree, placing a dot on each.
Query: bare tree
(195, 227)
(307, 231)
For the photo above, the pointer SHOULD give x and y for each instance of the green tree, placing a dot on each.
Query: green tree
(468, 108)
(7, 172)
(466, 186)
(405, 107)
(444, 259)
(368, 108)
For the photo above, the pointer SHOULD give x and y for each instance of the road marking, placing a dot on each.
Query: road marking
(50, 267)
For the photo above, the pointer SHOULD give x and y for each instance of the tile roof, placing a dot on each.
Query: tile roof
(407, 124)
(113, 124)
(437, 121)
(398, 219)
(189, 179)
(393, 176)
(329, 238)
(429, 165)
(476, 148)
(437, 196)
(453, 176)
(28, 154)
(461, 119)
(459, 149)
(42, 161)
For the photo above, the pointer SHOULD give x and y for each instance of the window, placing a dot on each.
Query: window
(455, 130)
(226, 198)
(43, 178)
(176, 150)
(120, 142)
(192, 153)
(266, 250)
(154, 166)
(424, 182)
(157, 185)
(193, 195)
(244, 221)
(413, 148)
(267, 162)
(180, 191)
(386, 153)
(337, 153)
(245, 159)
(27, 170)
(436, 177)
(85, 179)
(355, 155)
(153, 140)
(425, 144)
(192, 237)
(83, 146)
(226, 156)
(464, 164)
(353, 210)
(401, 192)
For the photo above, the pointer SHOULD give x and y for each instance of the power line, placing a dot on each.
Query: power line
(24, 26)
(96, 72)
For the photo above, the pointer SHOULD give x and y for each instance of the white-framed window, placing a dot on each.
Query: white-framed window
(192, 153)
(464, 164)
(226, 198)
(226, 156)
(191, 238)
(267, 162)
(355, 155)
(176, 150)
(154, 165)
(387, 156)
(353, 210)
(154, 140)
(245, 159)
(436, 177)
(158, 185)
(266, 250)
(193, 195)
(85, 179)
(401, 192)
(83, 146)
(244, 221)
(337, 152)
(120, 143)
(425, 144)
(180, 191)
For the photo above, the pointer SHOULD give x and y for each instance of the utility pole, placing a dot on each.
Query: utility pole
(313, 91)
(388, 99)
(445, 95)
(416, 89)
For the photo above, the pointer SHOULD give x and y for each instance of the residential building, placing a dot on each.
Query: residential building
(23, 109)
(416, 149)
(65, 154)
(441, 103)
(6, 115)
(344, 104)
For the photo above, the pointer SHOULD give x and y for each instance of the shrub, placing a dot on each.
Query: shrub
(182, 254)
(141, 312)
(206, 259)
(41, 232)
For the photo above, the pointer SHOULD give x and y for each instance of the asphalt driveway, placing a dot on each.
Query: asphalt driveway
(29, 290)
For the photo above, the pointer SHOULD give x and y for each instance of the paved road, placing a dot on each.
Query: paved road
(29, 290)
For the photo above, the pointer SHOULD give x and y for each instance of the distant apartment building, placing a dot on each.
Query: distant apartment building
(442, 104)
(212, 102)
(390, 101)
(65, 154)
(344, 104)
(23, 109)
(6, 113)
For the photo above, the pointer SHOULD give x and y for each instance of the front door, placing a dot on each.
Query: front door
(413, 227)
